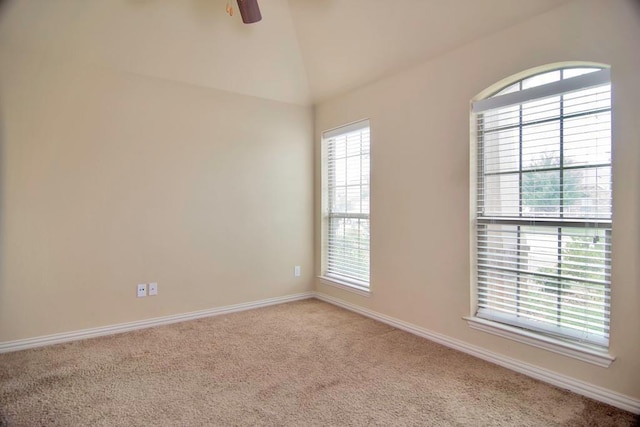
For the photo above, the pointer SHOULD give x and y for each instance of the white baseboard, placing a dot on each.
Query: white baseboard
(42, 341)
(595, 392)
(580, 387)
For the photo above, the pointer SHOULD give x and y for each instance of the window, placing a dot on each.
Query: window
(346, 205)
(543, 205)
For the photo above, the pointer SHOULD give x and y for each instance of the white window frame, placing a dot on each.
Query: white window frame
(332, 273)
(595, 354)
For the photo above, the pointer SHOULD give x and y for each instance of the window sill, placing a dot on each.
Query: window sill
(345, 285)
(591, 355)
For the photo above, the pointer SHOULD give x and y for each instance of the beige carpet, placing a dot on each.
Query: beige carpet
(303, 363)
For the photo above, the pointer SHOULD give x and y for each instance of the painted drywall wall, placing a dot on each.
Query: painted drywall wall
(192, 41)
(110, 178)
(420, 227)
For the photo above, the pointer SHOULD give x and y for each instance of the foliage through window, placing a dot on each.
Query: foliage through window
(346, 204)
(544, 202)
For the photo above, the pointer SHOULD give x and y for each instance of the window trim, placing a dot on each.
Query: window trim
(590, 353)
(334, 279)
(584, 352)
(347, 285)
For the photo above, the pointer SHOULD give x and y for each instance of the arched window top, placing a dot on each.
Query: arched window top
(539, 84)
(539, 76)
(545, 77)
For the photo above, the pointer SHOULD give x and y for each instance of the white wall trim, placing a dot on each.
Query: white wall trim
(46, 340)
(586, 354)
(595, 392)
(601, 394)
(349, 287)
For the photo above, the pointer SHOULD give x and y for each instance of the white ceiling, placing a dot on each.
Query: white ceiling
(348, 43)
(303, 51)
(189, 41)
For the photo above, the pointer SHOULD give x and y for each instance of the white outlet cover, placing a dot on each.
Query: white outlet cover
(297, 271)
(142, 290)
(153, 289)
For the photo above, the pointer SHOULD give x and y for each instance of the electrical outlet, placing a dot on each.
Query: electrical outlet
(153, 289)
(297, 271)
(142, 290)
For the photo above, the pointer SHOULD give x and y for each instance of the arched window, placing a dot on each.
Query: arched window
(543, 205)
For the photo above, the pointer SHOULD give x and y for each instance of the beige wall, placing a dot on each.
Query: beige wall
(420, 229)
(109, 179)
(192, 41)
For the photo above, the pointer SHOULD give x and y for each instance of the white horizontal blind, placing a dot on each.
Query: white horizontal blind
(544, 204)
(347, 184)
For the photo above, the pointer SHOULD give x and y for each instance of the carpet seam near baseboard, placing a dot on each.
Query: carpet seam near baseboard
(592, 391)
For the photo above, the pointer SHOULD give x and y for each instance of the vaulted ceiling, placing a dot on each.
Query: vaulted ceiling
(303, 51)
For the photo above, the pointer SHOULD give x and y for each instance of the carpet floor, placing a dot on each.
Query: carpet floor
(302, 363)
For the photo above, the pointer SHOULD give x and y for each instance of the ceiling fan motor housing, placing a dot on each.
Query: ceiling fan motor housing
(250, 11)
